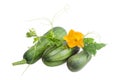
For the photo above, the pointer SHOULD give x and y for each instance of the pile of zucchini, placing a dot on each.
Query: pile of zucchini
(54, 51)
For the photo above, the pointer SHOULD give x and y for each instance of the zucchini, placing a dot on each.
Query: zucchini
(54, 56)
(61, 55)
(78, 61)
(53, 63)
(33, 54)
(51, 52)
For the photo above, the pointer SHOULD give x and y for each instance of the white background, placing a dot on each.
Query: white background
(100, 16)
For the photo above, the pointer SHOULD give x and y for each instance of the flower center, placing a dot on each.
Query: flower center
(75, 40)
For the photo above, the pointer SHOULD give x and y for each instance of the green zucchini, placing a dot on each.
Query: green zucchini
(53, 63)
(55, 56)
(59, 55)
(33, 54)
(51, 52)
(78, 61)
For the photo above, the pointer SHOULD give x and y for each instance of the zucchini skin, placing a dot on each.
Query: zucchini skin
(53, 63)
(54, 56)
(33, 54)
(78, 61)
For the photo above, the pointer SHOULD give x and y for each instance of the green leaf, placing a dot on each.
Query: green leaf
(54, 41)
(31, 33)
(36, 39)
(88, 40)
(91, 49)
(99, 45)
(91, 46)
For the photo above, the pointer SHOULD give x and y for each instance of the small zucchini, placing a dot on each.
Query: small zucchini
(57, 55)
(53, 63)
(78, 61)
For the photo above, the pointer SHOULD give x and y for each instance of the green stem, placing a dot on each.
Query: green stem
(19, 62)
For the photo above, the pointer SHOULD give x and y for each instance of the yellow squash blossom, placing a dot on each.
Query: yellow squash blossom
(74, 39)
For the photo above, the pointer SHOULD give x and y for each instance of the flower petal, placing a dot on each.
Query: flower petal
(74, 39)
